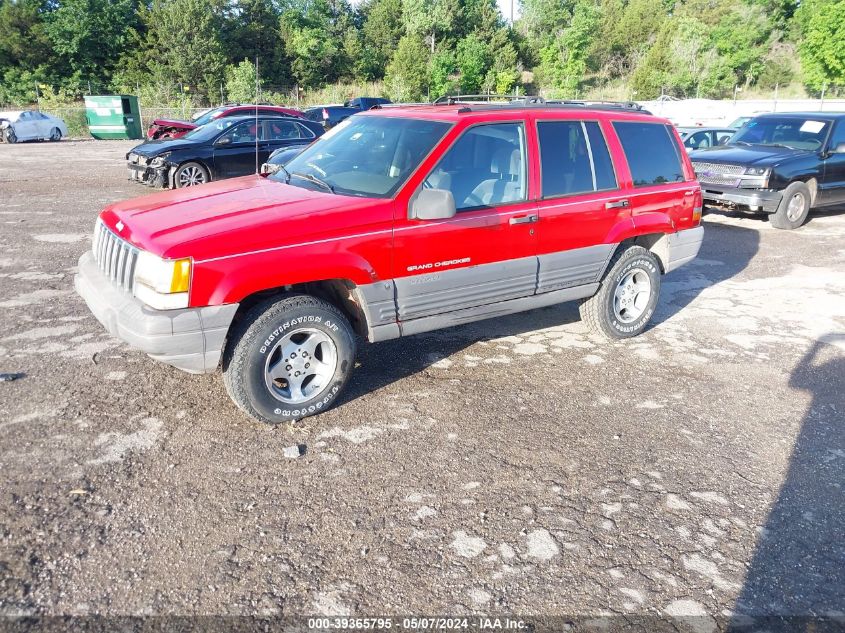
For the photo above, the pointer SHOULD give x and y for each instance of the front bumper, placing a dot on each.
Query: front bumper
(190, 339)
(152, 176)
(753, 199)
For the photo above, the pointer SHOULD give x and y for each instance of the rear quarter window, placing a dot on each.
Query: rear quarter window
(652, 153)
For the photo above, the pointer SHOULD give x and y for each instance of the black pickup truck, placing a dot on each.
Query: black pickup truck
(331, 115)
(782, 164)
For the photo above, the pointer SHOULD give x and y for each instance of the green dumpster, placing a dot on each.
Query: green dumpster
(114, 116)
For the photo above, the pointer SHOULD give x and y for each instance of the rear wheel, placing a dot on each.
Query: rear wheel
(55, 134)
(794, 207)
(289, 359)
(627, 297)
(11, 137)
(190, 174)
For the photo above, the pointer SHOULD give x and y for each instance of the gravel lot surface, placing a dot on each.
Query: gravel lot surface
(513, 466)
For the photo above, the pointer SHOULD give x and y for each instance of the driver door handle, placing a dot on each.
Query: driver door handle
(619, 204)
(524, 219)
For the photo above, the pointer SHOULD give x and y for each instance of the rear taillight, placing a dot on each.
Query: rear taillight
(698, 207)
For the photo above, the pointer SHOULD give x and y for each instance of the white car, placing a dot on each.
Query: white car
(30, 125)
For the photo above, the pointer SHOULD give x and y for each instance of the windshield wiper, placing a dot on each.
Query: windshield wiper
(314, 179)
(777, 145)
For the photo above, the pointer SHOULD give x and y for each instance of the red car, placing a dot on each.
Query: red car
(397, 221)
(169, 128)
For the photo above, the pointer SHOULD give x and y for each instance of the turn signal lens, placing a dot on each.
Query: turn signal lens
(181, 280)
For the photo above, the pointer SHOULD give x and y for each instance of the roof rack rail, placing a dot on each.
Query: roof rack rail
(454, 99)
(477, 102)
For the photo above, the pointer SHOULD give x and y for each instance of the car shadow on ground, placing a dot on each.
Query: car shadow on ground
(726, 252)
(727, 249)
(798, 569)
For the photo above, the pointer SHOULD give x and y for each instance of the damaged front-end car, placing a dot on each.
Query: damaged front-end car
(7, 133)
(153, 171)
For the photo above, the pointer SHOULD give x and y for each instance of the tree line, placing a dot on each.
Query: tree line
(419, 49)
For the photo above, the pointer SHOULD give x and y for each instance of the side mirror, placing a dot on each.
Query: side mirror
(432, 204)
(226, 140)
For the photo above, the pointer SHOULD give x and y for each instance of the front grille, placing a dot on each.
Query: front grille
(115, 257)
(719, 168)
(718, 173)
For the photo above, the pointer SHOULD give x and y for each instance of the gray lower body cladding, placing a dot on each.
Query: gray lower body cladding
(429, 294)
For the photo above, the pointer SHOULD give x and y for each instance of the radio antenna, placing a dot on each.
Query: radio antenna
(256, 115)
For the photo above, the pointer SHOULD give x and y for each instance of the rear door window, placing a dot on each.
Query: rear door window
(574, 158)
(651, 151)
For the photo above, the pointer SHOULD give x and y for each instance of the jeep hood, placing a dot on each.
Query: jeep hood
(230, 217)
(751, 155)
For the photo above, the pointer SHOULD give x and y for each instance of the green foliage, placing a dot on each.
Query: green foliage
(434, 21)
(90, 34)
(822, 47)
(254, 31)
(406, 78)
(314, 33)
(240, 82)
(187, 53)
(472, 62)
(441, 74)
(563, 61)
(382, 30)
(23, 35)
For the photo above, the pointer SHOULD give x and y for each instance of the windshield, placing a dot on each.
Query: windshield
(368, 156)
(208, 132)
(206, 116)
(793, 132)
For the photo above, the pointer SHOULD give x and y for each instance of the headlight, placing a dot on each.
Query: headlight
(757, 171)
(158, 161)
(162, 284)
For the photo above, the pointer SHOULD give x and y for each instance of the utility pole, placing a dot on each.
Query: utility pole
(775, 108)
(257, 99)
(821, 103)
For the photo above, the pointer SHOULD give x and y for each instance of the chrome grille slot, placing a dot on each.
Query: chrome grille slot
(719, 168)
(718, 173)
(115, 257)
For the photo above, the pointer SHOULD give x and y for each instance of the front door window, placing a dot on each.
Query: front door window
(486, 167)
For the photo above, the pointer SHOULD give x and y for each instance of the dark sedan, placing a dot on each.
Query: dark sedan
(225, 148)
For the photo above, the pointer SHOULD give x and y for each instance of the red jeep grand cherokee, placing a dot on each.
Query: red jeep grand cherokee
(398, 221)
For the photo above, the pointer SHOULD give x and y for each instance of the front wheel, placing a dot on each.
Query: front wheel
(289, 359)
(190, 174)
(794, 207)
(627, 297)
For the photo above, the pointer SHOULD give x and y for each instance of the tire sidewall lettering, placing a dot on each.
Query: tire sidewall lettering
(313, 319)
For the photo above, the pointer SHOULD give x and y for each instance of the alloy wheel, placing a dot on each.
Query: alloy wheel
(632, 295)
(300, 366)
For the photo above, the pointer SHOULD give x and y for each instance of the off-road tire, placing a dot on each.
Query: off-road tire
(254, 337)
(177, 176)
(782, 218)
(55, 135)
(598, 311)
